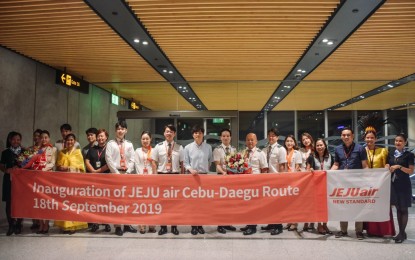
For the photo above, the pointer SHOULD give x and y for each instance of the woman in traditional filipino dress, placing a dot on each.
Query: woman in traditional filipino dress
(70, 160)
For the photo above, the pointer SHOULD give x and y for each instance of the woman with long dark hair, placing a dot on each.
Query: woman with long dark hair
(321, 160)
(401, 165)
(7, 164)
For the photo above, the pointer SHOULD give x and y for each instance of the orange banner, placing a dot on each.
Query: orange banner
(170, 199)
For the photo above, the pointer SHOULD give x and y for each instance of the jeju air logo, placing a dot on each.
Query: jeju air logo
(353, 192)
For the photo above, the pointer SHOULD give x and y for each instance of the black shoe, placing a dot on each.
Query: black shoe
(200, 230)
(340, 234)
(18, 229)
(174, 230)
(163, 230)
(94, 227)
(34, 226)
(359, 235)
(399, 238)
(129, 228)
(244, 228)
(230, 228)
(107, 228)
(118, 231)
(249, 231)
(221, 230)
(10, 231)
(267, 227)
(275, 232)
(194, 230)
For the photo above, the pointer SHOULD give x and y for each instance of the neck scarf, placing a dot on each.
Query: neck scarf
(398, 154)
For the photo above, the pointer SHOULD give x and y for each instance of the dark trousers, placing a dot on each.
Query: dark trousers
(10, 220)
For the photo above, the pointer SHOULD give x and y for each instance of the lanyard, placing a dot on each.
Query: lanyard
(347, 155)
(321, 163)
(100, 153)
(146, 158)
(289, 159)
(371, 156)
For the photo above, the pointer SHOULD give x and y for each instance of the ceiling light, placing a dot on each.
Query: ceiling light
(303, 71)
(164, 71)
(299, 70)
(390, 85)
(180, 86)
(145, 42)
(170, 72)
(136, 40)
(330, 43)
(362, 96)
(287, 86)
(325, 40)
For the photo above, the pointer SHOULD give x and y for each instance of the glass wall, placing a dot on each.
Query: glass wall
(337, 120)
(311, 122)
(397, 123)
(380, 131)
(245, 121)
(283, 121)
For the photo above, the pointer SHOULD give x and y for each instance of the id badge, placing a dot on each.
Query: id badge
(98, 164)
(145, 171)
(168, 167)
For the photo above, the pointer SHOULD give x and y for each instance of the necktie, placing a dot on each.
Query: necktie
(169, 152)
(268, 153)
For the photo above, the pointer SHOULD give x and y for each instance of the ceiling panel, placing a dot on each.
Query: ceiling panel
(228, 40)
(381, 49)
(233, 53)
(393, 98)
(319, 95)
(155, 96)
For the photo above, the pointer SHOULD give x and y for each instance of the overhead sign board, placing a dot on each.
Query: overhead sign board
(115, 99)
(218, 120)
(72, 82)
(134, 106)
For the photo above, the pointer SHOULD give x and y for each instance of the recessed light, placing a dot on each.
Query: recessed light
(325, 40)
(180, 86)
(136, 40)
(330, 43)
(145, 42)
(287, 86)
(170, 72)
(390, 85)
(299, 70)
(164, 71)
(303, 71)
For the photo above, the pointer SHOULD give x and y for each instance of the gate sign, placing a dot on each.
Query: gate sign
(70, 81)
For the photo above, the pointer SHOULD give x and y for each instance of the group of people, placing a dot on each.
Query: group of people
(168, 157)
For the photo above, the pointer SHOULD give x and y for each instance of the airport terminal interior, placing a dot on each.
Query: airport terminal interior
(249, 66)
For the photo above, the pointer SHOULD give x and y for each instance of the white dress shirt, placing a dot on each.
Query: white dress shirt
(257, 160)
(113, 155)
(159, 155)
(277, 156)
(141, 161)
(219, 154)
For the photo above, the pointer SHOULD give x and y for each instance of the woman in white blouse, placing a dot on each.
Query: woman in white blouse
(142, 164)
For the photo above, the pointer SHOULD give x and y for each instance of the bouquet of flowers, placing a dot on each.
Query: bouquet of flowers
(27, 155)
(236, 163)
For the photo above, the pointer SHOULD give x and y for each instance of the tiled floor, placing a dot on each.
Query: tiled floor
(212, 245)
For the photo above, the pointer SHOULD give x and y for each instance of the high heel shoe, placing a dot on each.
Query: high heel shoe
(399, 238)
